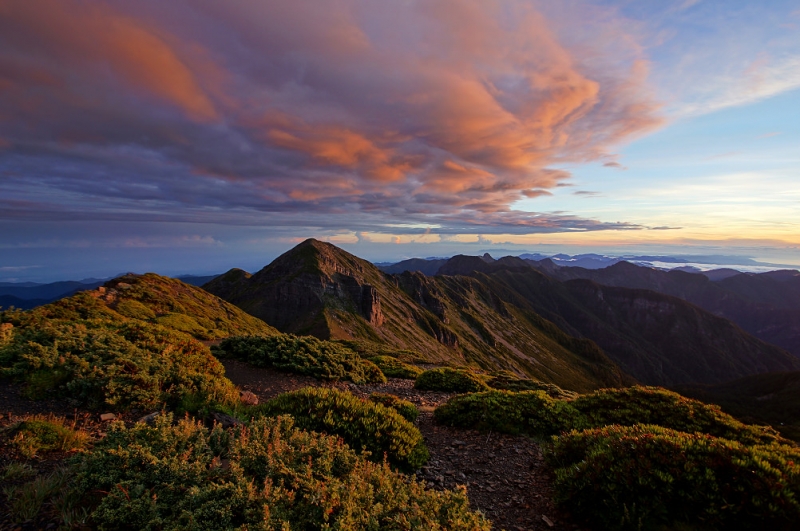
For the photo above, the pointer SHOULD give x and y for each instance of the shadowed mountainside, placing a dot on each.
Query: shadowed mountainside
(766, 305)
(658, 339)
(319, 289)
(772, 398)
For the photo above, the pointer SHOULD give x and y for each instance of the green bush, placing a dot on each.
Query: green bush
(450, 380)
(41, 433)
(268, 475)
(529, 412)
(510, 382)
(104, 362)
(640, 476)
(370, 349)
(653, 405)
(363, 425)
(302, 355)
(406, 409)
(394, 368)
(135, 310)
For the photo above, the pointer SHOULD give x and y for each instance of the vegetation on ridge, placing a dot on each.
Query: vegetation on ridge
(80, 349)
(364, 425)
(645, 476)
(308, 355)
(268, 475)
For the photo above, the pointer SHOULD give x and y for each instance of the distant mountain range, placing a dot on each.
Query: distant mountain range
(319, 289)
(510, 313)
(578, 327)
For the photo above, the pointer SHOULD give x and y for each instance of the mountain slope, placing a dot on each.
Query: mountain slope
(319, 289)
(426, 267)
(772, 398)
(174, 304)
(766, 305)
(659, 340)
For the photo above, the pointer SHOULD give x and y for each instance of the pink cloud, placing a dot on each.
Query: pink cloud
(447, 108)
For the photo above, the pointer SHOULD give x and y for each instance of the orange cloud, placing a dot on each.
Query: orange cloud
(413, 111)
(93, 35)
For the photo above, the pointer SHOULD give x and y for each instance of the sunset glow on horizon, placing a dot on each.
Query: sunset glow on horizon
(191, 137)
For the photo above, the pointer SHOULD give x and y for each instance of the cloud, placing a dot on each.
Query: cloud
(720, 54)
(614, 164)
(348, 114)
(586, 193)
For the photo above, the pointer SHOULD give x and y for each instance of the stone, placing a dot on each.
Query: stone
(107, 416)
(149, 419)
(226, 421)
(249, 398)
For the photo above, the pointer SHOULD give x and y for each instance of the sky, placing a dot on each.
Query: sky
(195, 136)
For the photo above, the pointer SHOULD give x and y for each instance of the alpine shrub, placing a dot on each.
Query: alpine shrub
(41, 433)
(394, 368)
(362, 424)
(326, 360)
(529, 412)
(450, 380)
(268, 475)
(102, 362)
(635, 477)
(653, 405)
(406, 409)
(512, 383)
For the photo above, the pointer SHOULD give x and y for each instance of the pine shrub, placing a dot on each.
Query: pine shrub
(447, 379)
(643, 477)
(406, 409)
(308, 355)
(268, 475)
(654, 405)
(363, 425)
(528, 412)
(394, 368)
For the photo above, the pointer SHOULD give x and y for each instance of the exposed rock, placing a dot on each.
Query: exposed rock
(226, 421)
(149, 419)
(249, 398)
(107, 416)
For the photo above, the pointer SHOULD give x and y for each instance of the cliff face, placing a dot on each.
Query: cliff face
(321, 290)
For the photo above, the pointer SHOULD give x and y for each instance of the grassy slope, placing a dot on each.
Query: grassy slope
(177, 305)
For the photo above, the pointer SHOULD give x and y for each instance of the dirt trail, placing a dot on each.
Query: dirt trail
(505, 475)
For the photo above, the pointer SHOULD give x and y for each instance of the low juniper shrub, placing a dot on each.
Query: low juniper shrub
(447, 379)
(267, 475)
(644, 477)
(526, 412)
(364, 425)
(307, 355)
(394, 368)
(406, 409)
